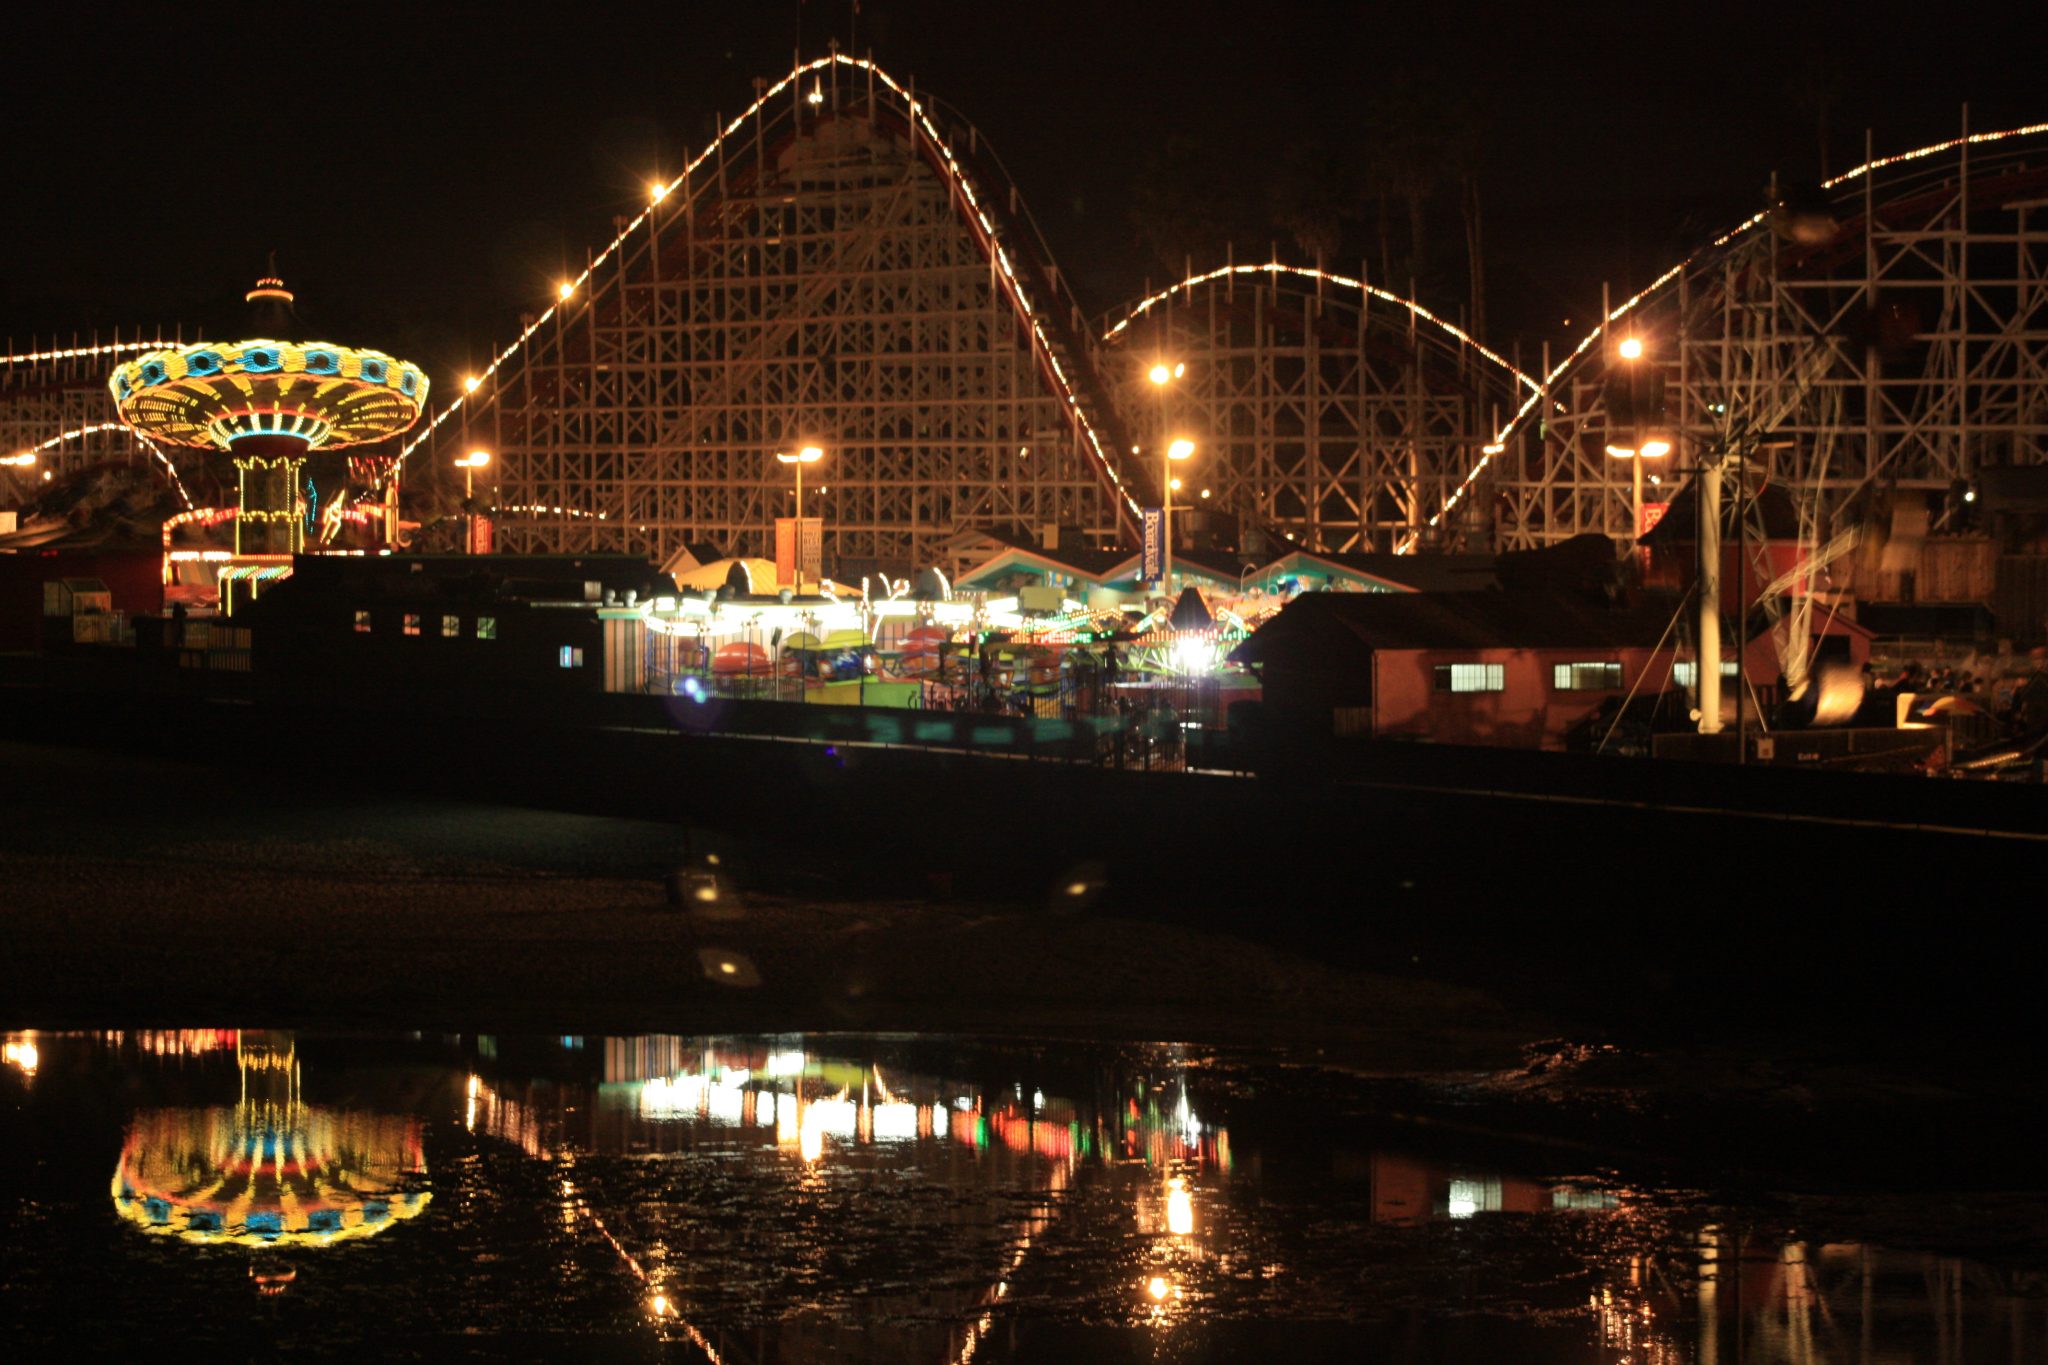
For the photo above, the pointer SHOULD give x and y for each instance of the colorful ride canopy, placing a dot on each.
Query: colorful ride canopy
(209, 395)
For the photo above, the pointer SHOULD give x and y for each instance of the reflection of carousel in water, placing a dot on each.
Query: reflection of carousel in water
(271, 1171)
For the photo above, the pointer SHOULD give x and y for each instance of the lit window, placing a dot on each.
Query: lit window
(1686, 672)
(1593, 677)
(486, 627)
(451, 627)
(362, 623)
(1471, 677)
(1467, 1197)
(412, 623)
(572, 656)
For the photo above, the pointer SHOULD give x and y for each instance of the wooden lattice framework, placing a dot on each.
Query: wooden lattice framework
(1899, 343)
(1320, 413)
(820, 278)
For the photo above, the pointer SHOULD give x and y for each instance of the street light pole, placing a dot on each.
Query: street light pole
(1641, 436)
(808, 455)
(1175, 450)
(1161, 375)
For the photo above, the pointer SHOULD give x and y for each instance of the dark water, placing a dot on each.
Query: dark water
(842, 1198)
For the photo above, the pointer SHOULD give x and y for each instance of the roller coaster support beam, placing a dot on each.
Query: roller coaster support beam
(1710, 595)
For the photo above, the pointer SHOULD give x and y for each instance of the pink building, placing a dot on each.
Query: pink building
(1513, 669)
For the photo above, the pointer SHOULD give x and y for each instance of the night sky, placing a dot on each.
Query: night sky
(426, 172)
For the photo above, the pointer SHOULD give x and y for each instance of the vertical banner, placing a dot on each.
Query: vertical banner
(1154, 564)
(479, 534)
(1653, 512)
(785, 552)
(799, 544)
(810, 549)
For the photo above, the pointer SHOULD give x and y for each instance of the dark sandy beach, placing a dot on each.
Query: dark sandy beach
(150, 891)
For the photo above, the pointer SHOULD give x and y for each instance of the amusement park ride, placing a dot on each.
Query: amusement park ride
(846, 261)
(278, 414)
(272, 1171)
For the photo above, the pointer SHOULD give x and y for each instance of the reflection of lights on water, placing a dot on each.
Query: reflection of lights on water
(268, 1172)
(787, 1111)
(895, 1122)
(726, 1103)
(272, 1282)
(1157, 1287)
(22, 1053)
(810, 1142)
(667, 1097)
(1180, 1208)
(660, 1305)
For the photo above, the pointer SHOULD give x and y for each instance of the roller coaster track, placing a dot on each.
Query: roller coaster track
(1069, 355)
(1589, 346)
(1053, 338)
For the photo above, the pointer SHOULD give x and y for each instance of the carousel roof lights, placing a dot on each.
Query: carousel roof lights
(269, 287)
(208, 395)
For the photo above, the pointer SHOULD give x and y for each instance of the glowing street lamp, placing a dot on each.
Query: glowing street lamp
(808, 455)
(469, 464)
(1178, 449)
(1641, 445)
(1162, 374)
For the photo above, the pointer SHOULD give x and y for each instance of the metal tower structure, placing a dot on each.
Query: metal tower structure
(1888, 336)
